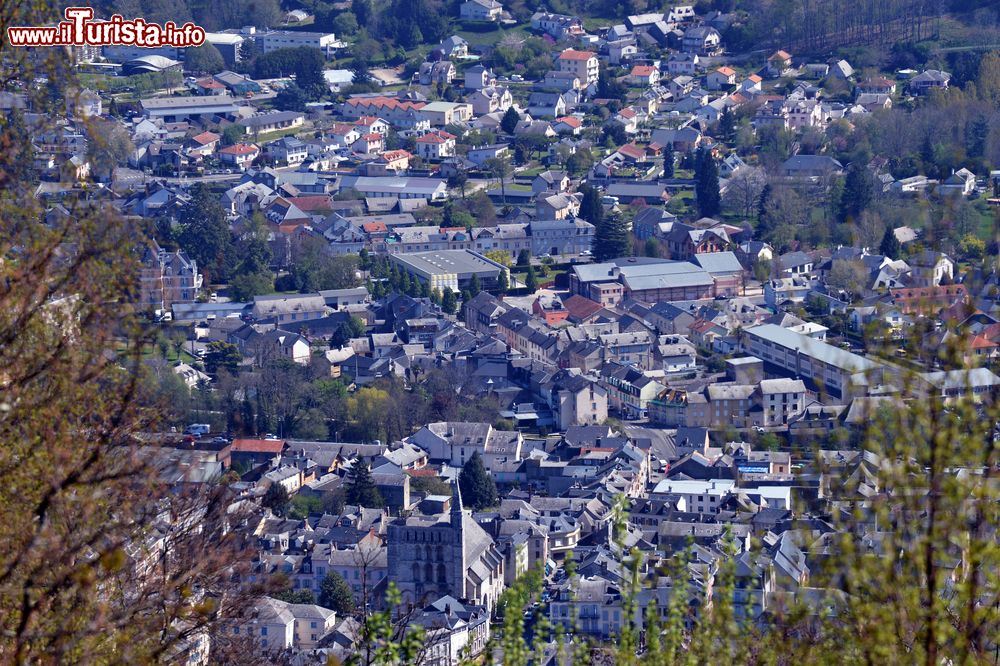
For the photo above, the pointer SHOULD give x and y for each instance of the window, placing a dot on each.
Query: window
(263, 631)
(312, 625)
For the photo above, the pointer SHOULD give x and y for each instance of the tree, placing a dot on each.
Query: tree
(615, 132)
(352, 328)
(292, 596)
(309, 65)
(222, 355)
(706, 186)
(591, 208)
(510, 120)
(109, 146)
(611, 239)
(291, 98)
(205, 233)
(523, 258)
(499, 168)
(503, 283)
(233, 134)
(458, 181)
(744, 190)
(204, 59)
(245, 286)
(478, 488)
(253, 274)
(361, 489)
(335, 594)
(78, 509)
(474, 286)
(848, 275)
(449, 302)
(502, 257)
(858, 192)
(531, 280)
(890, 246)
(668, 160)
(276, 499)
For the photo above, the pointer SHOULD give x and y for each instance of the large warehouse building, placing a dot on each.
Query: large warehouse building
(451, 269)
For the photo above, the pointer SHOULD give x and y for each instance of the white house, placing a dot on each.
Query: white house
(480, 10)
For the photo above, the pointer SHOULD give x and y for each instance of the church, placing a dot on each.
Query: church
(447, 553)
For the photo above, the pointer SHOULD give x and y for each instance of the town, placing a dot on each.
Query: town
(457, 302)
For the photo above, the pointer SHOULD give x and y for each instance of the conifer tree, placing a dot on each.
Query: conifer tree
(707, 195)
(611, 239)
(361, 489)
(479, 491)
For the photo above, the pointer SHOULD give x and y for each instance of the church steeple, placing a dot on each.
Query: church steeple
(457, 510)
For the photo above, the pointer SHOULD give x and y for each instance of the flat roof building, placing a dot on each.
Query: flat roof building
(451, 269)
(833, 372)
(178, 108)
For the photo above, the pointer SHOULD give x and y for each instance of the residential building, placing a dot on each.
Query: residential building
(581, 64)
(480, 10)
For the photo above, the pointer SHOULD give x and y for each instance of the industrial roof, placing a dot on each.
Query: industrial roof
(835, 356)
(447, 261)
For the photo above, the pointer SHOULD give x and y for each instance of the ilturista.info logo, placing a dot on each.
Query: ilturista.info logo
(80, 29)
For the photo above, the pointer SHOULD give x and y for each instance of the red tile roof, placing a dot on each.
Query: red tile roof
(572, 121)
(632, 150)
(205, 138)
(571, 54)
(258, 445)
(642, 70)
(240, 149)
(312, 202)
(580, 307)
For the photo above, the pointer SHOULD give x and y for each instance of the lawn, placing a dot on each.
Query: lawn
(682, 203)
(480, 39)
(150, 350)
(271, 136)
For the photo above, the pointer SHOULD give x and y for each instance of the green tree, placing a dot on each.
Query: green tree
(510, 120)
(352, 328)
(449, 302)
(479, 490)
(204, 59)
(335, 594)
(531, 280)
(205, 233)
(858, 192)
(292, 596)
(360, 488)
(611, 239)
(233, 134)
(276, 499)
(523, 258)
(245, 286)
(222, 355)
(706, 187)
(292, 98)
(503, 283)
(668, 160)
(474, 286)
(253, 274)
(890, 246)
(591, 208)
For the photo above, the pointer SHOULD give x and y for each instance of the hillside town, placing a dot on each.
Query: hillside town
(544, 292)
